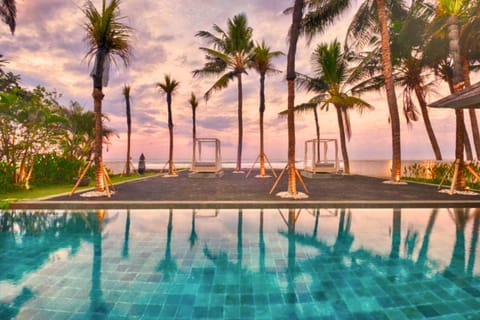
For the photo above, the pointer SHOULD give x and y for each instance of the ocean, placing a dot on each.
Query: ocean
(373, 168)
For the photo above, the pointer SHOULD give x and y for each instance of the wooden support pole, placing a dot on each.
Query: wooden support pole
(455, 175)
(84, 172)
(301, 180)
(446, 175)
(253, 165)
(278, 179)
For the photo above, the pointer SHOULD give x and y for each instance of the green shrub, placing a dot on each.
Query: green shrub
(51, 168)
(6, 177)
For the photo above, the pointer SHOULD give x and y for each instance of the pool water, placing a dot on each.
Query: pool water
(240, 264)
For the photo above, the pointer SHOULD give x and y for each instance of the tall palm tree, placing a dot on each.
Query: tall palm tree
(410, 62)
(8, 12)
(126, 94)
(331, 67)
(107, 38)
(308, 18)
(169, 87)
(291, 75)
(231, 55)
(390, 89)
(452, 9)
(316, 21)
(194, 105)
(262, 63)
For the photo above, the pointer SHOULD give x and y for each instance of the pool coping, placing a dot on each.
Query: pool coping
(89, 205)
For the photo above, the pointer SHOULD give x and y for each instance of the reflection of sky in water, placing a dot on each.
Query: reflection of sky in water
(214, 263)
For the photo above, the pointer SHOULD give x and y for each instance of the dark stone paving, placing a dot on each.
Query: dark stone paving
(236, 187)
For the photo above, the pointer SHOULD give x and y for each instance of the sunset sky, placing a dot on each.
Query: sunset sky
(48, 49)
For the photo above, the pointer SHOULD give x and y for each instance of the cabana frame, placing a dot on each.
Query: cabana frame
(320, 163)
(200, 165)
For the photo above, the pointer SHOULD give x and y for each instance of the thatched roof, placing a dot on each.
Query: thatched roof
(465, 98)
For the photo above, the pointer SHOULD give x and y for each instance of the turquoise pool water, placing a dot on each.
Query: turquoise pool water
(240, 264)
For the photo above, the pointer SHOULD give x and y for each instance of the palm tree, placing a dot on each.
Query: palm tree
(126, 94)
(331, 67)
(194, 104)
(262, 63)
(8, 12)
(452, 9)
(318, 15)
(410, 62)
(107, 38)
(291, 75)
(390, 89)
(325, 13)
(169, 87)
(231, 56)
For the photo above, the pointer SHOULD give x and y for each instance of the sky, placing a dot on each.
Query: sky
(48, 49)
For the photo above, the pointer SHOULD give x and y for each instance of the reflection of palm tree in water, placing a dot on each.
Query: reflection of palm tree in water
(422, 253)
(221, 259)
(168, 265)
(261, 244)
(344, 240)
(474, 242)
(456, 268)
(396, 233)
(193, 234)
(97, 303)
(126, 238)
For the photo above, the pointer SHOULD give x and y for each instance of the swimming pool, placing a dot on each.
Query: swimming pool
(240, 264)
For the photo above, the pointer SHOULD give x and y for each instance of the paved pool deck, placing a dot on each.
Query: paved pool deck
(234, 190)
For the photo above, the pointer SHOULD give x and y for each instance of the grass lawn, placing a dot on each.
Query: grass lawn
(36, 192)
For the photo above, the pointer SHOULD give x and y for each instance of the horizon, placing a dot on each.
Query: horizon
(50, 52)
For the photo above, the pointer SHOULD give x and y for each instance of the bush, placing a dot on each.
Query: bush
(6, 177)
(435, 173)
(51, 168)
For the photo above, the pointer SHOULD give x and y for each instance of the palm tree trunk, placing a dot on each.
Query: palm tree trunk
(129, 133)
(238, 167)
(343, 143)
(426, 120)
(471, 111)
(317, 127)
(466, 142)
(170, 132)
(454, 48)
(262, 110)
(194, 132)
(97, 108)
(292, 50)
(390, 88)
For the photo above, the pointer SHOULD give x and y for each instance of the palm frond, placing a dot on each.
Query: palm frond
(8, 13)
(220, 84)
(320, 15)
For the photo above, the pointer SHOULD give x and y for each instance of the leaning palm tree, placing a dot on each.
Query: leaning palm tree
(107, 38)
(231, 55)
(169, 87)
(8, 12)
(194, 105)
(126, 94)
(262, 63)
